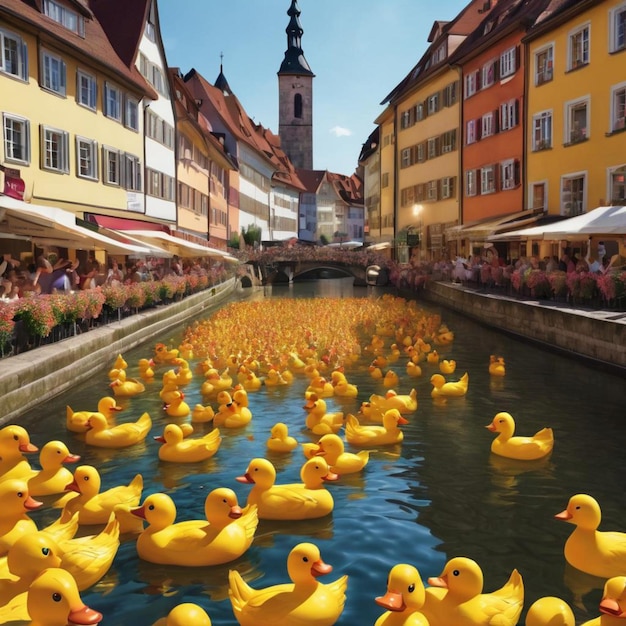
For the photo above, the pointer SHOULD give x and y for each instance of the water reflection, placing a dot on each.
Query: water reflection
(439, 494)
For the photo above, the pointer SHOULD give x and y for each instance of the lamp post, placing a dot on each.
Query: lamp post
(417, 212)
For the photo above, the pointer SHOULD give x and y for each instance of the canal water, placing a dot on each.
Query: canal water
(438, 495)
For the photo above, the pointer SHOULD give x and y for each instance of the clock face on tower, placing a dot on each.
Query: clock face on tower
(297, 86)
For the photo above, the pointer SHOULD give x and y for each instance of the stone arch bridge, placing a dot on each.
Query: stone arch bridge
(276, 271)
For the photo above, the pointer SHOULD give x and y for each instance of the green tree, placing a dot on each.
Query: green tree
(251, 234)
(323, 239)
(233, 242)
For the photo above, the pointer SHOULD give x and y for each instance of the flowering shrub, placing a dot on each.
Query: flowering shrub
(93, 300)
(558, 283)
(115, 296)
(517, 279)
(136, 296)
(37, 315)
(588, 286)
(7, 311)
(538, 283)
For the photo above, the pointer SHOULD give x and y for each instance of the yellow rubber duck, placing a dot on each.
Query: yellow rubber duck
(163, 355)
(370, 413)
(201, 413)
(550, 611)
(170, 387)
(311, 371)
(185, 614)
(413, 370)
(183, 374)
(146, 370)
(450, 389)
(432, 357)
(599, 553)
(318, 420)
(521, 448)
(53, 477)
(293, 501)
(120, 364)
(444, 337)
(92, 505)
(391, 379)
(121, 436)
(375, 372)
(304, 601)
(456, 597)
(219, 381)
(54, 600)
(496, 366)
(251, 382)
(76, 421)
(366, 436)
(124, 387)
(405, 403)
(14, 443)
(225, 534)
(177, 407)
(612, 605)
(320, 387)
(404, 598)
(332, 448)
(394, 353)
(447, 366)
(380, 360)
(185, 351)
(344, 389)
(177, 448)
(279, 440)
(232, 415)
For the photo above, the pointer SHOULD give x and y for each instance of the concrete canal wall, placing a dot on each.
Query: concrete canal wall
(28, 379)
(599, 336)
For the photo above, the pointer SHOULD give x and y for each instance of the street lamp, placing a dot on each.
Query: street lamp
(417, 212)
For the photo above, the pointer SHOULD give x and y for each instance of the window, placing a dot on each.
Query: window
(470, 135)
(508, 115)
(64, 16)
(111, 170)
(542, 130)
(52, 73)
(158, 80)
(488, 179)
(385, 180)
(447, 187)
(421, 152)
(618, 186)
(154, 183)
(86, 158)
(432, 148)
(579, 48)
(489, 74)
(488, 126)
(112, 102)
(544, 62)
(132, 173)
(297, 106)
(55, 150)
(131, 113)
(508, 62)
(86, 90)
(448, 141)
(573, 195)
(13, 55)
(618, 28)
(471, 84)
(538, 196)
(433, 103)
(405, 120)
(508, 174)
(150, 29)
(450, 94)
(439, 54)
(405, 157)
(431, 192)
(16, 138)
(470, 183)
(619, 108)
(419, 111)
(577, 122)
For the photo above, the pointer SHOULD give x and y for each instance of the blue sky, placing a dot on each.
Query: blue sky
(359, 50)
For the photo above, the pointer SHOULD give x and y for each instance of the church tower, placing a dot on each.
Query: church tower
(295, 97)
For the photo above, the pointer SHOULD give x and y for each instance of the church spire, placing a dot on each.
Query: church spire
(294, 62)
(220, 82)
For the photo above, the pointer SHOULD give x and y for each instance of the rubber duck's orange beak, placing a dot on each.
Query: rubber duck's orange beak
(246, 478)
(30, 504)
(392, 601)
(28, 447)
(491, 427)
(84, 616)
(331, 476)
(73, 486)
(160, 439)
(319, 568)
(564, 515)
(402, 420)
(139, 512)
(71, 458)
(438, 581)
(235, 512)
(609, 606)
(115, 408)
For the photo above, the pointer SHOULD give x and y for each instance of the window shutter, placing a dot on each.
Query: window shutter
(517, 121)
(479, 129)
(437, 146)
(63, 76)
(66, 151)
(42, 146)
(496, 70)
(517, 172)
(478, 75)
(496, 121)
(24, 63)
(518, 57)
(425, 108)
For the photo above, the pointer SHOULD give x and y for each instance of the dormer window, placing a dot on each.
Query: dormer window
(64, 16)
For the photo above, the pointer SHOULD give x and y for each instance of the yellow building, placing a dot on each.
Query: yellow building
(387, 201)
(576, 142)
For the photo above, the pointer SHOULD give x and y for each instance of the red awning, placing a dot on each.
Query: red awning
(123, 223)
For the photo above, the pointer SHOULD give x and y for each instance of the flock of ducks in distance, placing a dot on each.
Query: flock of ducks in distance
(42, 571)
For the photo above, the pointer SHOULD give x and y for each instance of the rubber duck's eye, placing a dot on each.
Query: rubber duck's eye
(224, 501)
(45, 551)
(57, 597)
(16, 438)
(85, 478)
(58, 451)
(20, 494)
(500, 421)
(456, 572)
(305, 559)
(151, 507)
(411, 588)
(577, 508)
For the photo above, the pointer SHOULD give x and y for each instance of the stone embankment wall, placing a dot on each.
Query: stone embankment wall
(28, 379)
(599, 336)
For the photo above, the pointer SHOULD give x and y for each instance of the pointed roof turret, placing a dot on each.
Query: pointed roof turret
(294, 61)
(220, 82)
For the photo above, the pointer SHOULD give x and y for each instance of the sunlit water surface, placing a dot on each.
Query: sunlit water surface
(440, 494)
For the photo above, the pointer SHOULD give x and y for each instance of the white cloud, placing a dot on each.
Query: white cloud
(340, 131)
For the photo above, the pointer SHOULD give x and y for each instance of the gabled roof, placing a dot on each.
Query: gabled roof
(370, 145)
(94, 46)
(557, 11)
(312, 179)
(285, 172)
(348, 188)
